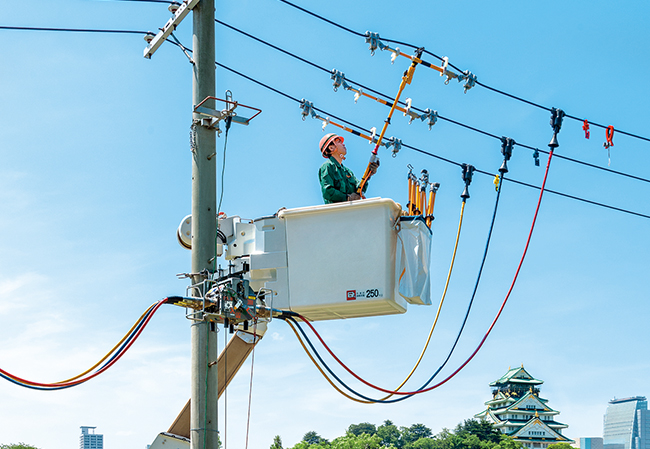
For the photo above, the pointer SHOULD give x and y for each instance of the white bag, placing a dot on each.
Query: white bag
(413, 260)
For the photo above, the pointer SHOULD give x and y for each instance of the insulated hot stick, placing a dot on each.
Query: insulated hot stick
(406, 79)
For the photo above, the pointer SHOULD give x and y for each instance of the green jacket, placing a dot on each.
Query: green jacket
(337, 181)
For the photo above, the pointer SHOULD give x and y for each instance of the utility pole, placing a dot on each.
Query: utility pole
(204, 395)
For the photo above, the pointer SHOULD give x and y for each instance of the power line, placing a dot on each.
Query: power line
(455, 122)
(72, 30)
(419, 150)
(515, 97)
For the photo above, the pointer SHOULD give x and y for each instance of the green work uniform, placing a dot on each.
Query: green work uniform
(337, 181)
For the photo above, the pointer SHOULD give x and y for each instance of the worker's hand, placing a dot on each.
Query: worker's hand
(373, 167)
(354, 196)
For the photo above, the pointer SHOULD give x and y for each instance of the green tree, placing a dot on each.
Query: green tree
(414, 433)
(560, 446)
(361, 428)
(352, 441)
(390, 435)
(482, 429)
(277, 442)
(17, 446)
(312, 438)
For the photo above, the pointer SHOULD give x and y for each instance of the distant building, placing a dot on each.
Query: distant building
(89, 440)
(591, 443)
(517, 410)
(626, 424)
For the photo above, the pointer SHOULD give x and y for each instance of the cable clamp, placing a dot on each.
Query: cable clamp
(373, 135)
(468, 171)
(585, 128)
(396, 144)
(556, 119)
(326, 122)
(339, 80)
(374, 43)
(609, 135)
(469, 78)
(536, 157)
(506, 149)
(307, 109)
(431, 116)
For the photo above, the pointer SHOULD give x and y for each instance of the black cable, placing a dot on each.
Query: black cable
(434, 155)
(324, 19)
(421, 111)
(71, 30)
(461, 71)
(272, 46)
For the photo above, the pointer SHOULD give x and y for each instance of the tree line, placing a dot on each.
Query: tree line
(470, 434)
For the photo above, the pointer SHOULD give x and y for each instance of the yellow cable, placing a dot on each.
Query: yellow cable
(444, 294)
(320, 369)
(111, 351)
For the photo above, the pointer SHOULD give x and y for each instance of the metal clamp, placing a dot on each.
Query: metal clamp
(431, 116)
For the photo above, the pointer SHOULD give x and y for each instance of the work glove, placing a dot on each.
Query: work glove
(354, 196)
(373, 167)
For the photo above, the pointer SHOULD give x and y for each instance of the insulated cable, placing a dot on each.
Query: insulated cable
(425, 387)
(419, 150)
(523, 100)
(442, 299)
(125, 343)
(389, 102)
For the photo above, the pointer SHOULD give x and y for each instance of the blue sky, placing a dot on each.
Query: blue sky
(95, 177)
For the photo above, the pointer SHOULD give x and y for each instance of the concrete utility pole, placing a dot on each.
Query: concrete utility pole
(204, 396)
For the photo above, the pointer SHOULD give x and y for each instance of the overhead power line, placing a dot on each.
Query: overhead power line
(72, 30)
(515, 97)
(455, 122)
(92, 30)
(427, 153)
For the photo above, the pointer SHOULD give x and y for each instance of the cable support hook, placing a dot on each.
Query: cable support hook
(396, 144)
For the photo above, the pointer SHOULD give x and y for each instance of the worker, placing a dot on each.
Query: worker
(337, 182)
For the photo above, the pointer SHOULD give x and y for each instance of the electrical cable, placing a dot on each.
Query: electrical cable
(324, 19)
(72, 30)
(425, 387)
(442, 300)
(421, 111)
(331, 22)
(126, 343)
(595, 203)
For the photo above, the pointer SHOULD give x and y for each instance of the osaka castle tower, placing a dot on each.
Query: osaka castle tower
(517, 410)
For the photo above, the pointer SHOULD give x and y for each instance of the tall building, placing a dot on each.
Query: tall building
(88, 440)
(517, 410)
(591, 443)
(626, 424)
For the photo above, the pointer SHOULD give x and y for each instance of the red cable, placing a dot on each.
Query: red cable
(104, 368)
(532, 227)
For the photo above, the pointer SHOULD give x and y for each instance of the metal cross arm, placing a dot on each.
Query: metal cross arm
(183, 10)
(228, 112)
